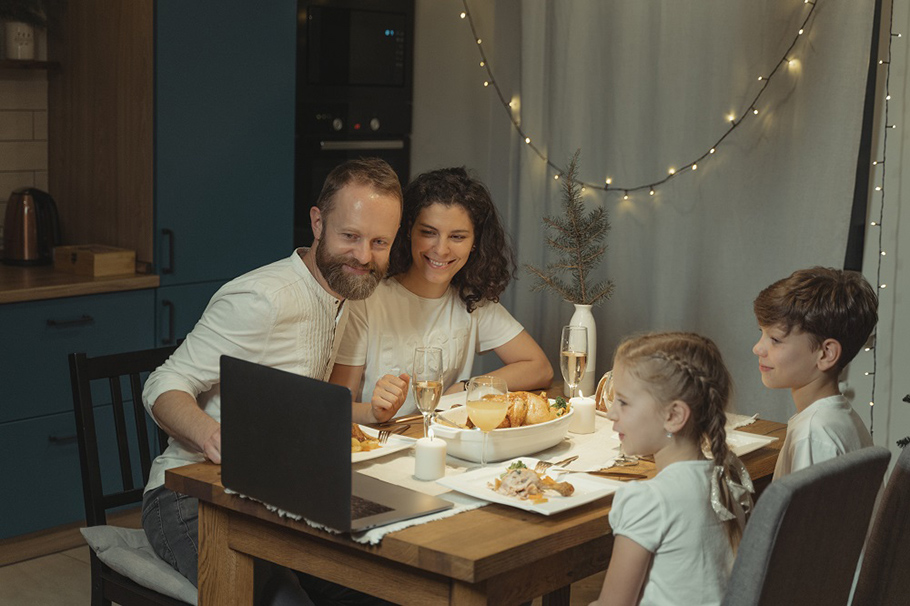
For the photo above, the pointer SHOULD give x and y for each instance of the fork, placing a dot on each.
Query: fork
(385, 433)
(542, 466)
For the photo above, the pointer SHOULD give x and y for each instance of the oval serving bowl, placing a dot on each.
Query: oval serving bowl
(502, 444)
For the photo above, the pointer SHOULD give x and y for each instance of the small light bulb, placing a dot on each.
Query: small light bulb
(695, 167)
(527, 139)
(486, 83)
(731, 118)
(873, 224)
(755, 111)
(711, 151)
(760, 78)
(800, 31)
(625, 197)
(583, 188)
(556, 177)
(672, 171)
(887, 97)
(868, 349)
(609, 180)
(893, 126)
(791, 62)
(479, 41)
(463, 15)
(871, 403)
(878, 188)
(883, 286)
(875, 163)
(651, 193)
(883, 253)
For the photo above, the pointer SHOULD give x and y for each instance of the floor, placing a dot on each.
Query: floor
(62, 579)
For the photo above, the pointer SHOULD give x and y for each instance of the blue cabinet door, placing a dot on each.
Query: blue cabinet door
(224, 137)
(38, 336)
(178, 308)
(40, 463)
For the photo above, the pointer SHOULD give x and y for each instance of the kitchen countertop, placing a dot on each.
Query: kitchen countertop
(19, 284)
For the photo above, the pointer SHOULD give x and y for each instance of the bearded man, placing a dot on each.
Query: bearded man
(288, 315)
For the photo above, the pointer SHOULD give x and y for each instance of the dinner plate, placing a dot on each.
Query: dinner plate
(396, 443)
(743, 442)
(476, 484)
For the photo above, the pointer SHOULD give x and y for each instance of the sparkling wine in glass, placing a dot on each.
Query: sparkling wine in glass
(573, 356)
(488, 404)
(427, 381)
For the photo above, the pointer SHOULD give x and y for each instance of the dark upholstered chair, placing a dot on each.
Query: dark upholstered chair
(127, 432)
(884, 577)
(802, 543)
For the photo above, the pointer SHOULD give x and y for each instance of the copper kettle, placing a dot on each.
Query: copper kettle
(31, 228)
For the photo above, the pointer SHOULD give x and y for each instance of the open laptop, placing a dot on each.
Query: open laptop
(286, 441)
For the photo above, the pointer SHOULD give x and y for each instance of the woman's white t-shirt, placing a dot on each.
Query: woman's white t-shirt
(671, 516)
(384, 329)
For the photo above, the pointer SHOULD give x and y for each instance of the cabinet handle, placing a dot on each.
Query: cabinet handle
(61, 440)
(169, 269)
(170, 322)
(85, 320)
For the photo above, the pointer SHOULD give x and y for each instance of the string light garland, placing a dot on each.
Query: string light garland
(881, 167)
(752, 109)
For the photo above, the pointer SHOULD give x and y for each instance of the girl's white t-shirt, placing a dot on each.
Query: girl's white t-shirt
(384, 329)
(671, 516)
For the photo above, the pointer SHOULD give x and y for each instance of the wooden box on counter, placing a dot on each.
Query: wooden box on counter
(95, 260)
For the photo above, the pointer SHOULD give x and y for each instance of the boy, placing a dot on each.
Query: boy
(812, 324)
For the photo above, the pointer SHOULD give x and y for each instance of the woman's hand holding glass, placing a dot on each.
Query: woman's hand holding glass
(389, 395)
(487, 404)
(427, 382)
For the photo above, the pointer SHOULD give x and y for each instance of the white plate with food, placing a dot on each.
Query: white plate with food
(544, 426)
(481, 483)
(743, 442)
(370, 448)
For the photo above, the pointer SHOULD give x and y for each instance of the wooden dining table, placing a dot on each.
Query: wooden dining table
(492, 555)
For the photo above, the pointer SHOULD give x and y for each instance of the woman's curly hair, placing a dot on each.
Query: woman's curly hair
(491, 263)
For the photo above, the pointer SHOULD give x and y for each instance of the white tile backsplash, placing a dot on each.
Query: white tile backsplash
(23, 132)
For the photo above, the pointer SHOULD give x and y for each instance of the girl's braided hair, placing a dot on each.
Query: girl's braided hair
(688, 367)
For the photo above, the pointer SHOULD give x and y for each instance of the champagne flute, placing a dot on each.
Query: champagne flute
(488, 404)
(573, 356)
(427, 381)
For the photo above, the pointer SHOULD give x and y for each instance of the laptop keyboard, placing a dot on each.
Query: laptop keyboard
(361, 508)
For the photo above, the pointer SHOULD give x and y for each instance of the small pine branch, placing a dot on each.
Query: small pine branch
(578, 239)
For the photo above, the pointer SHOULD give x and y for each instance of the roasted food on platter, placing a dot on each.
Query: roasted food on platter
(525, 483)
(527, 408)
(360, 441)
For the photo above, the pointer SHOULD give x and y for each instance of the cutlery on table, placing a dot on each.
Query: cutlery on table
(542, 466)
(627, 475)
(385, 433)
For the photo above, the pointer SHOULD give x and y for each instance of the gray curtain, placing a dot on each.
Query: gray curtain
(641, 87)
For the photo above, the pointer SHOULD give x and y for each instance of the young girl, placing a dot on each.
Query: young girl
(675, 535)
(449, 264)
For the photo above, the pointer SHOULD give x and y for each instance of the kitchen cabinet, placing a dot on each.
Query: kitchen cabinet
(41, 474)
(40, 459)
(179, 308)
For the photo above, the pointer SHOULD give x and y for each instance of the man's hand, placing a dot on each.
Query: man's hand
(211, 447)
(388, 396)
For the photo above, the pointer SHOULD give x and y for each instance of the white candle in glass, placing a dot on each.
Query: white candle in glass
(430, 459)
(583, 415)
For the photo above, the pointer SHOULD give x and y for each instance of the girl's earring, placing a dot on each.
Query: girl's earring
(669, 435)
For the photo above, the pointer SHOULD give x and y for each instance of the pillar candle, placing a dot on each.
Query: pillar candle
(430, 459)
(583, 417)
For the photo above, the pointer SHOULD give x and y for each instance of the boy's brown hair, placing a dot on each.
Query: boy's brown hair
(824, 303)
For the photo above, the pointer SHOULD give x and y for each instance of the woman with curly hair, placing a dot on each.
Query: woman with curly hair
(449, 264)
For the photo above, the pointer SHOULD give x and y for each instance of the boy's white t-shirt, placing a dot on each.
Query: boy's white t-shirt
(825, 429)
(384, 329)
(671, 516)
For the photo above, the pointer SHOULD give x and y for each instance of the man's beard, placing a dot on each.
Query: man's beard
(347, 285)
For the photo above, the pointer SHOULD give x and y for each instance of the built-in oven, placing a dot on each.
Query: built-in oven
(354, 91)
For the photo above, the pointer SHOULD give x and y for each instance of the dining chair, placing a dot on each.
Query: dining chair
(883, 578)
(804, 537)
(124, 568)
